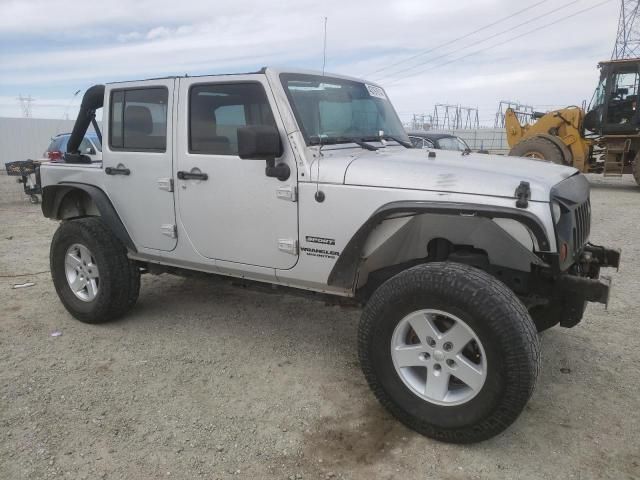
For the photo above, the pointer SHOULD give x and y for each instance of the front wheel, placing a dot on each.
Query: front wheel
(539, 148)
(636, 168)
(95, 280)
(450, 351)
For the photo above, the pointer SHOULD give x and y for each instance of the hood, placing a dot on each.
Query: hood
(449, 171)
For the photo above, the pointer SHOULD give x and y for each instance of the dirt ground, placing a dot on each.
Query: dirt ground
(204, 379)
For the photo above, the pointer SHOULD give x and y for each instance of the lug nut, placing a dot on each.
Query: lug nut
(437, 367)
(451, 363)
(431, 342)
(447, 346)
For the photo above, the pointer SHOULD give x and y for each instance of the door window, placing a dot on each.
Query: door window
(216, 111)
(138, 119)
(623, 99)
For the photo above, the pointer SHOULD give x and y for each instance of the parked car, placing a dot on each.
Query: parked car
(90, 146)
(438, 141)
(309, 181)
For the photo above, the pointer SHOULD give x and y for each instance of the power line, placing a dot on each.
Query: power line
(510, 29)
(476, 52)
(424, 52)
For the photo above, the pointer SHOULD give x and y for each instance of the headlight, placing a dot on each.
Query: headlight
(556, 212)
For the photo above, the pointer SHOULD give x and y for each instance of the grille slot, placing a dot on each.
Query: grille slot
(582, 225)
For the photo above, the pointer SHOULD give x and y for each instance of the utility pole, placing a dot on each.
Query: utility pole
(628, 37)
(25, 104)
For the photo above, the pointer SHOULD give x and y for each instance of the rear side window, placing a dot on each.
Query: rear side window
(85, 145)
(138, 119)
(216, 111)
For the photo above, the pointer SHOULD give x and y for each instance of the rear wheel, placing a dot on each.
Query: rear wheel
(539, 148)
(450, 351)
(92, 274)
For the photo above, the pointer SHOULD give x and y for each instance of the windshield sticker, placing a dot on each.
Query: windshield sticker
(375, 91)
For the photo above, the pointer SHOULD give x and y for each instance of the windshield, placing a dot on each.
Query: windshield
(337, 110)
(452, 143)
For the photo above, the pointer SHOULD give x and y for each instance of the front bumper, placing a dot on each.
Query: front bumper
(583, 283)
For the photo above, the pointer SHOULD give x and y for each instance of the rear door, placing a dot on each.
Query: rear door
(138, 159)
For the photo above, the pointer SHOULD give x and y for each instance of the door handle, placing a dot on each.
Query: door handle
(192, 176)
(117, 171)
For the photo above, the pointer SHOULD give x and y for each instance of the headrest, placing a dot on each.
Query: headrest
(137, 119)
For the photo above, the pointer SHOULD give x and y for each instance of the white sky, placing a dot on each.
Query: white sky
(50, 49)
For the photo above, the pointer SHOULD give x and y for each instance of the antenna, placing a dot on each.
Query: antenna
(319, 196)
(324, 46)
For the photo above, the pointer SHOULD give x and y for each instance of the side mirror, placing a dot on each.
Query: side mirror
(259, 142)
(90, 151)
(262, 142)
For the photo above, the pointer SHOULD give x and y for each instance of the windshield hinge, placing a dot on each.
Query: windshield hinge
(523, 194)
(290, 192)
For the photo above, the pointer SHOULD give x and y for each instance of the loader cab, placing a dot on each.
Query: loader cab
(614, 108)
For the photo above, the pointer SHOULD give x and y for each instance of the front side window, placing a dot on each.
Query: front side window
(138, 119)
(217, 111)
(338, 111)
(452, 143)
(599, 95)
(417, 142)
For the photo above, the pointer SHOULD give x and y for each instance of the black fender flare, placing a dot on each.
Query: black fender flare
(345, 269)
(53, 195)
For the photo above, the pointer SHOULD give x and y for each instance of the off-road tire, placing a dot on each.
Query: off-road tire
(498, 318)
(547, 316)
(539, 148)
(636, 168)
(119, 276)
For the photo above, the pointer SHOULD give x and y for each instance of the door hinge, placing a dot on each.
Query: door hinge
(288, 245)
(165, 184)
(290, 192)
(169, 229)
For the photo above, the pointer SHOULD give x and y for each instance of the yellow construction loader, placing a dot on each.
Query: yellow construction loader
(604, 139)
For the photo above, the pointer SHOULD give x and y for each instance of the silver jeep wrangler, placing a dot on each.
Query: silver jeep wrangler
(309, 181)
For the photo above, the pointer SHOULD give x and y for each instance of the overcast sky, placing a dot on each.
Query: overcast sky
(51, 48)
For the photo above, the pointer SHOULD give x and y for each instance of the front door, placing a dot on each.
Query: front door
(137, 159)
(231, 211)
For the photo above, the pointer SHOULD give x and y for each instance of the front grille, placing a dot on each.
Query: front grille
(581, 225)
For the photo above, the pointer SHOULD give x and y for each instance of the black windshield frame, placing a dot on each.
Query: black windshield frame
(311, 139)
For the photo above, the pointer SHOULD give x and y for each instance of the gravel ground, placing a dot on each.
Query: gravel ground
(204, 379)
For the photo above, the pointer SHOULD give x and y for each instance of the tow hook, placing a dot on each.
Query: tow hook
(604, 257)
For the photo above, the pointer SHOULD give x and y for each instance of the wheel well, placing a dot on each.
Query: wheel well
(440, 250)
(75, 204)
(76, 200)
